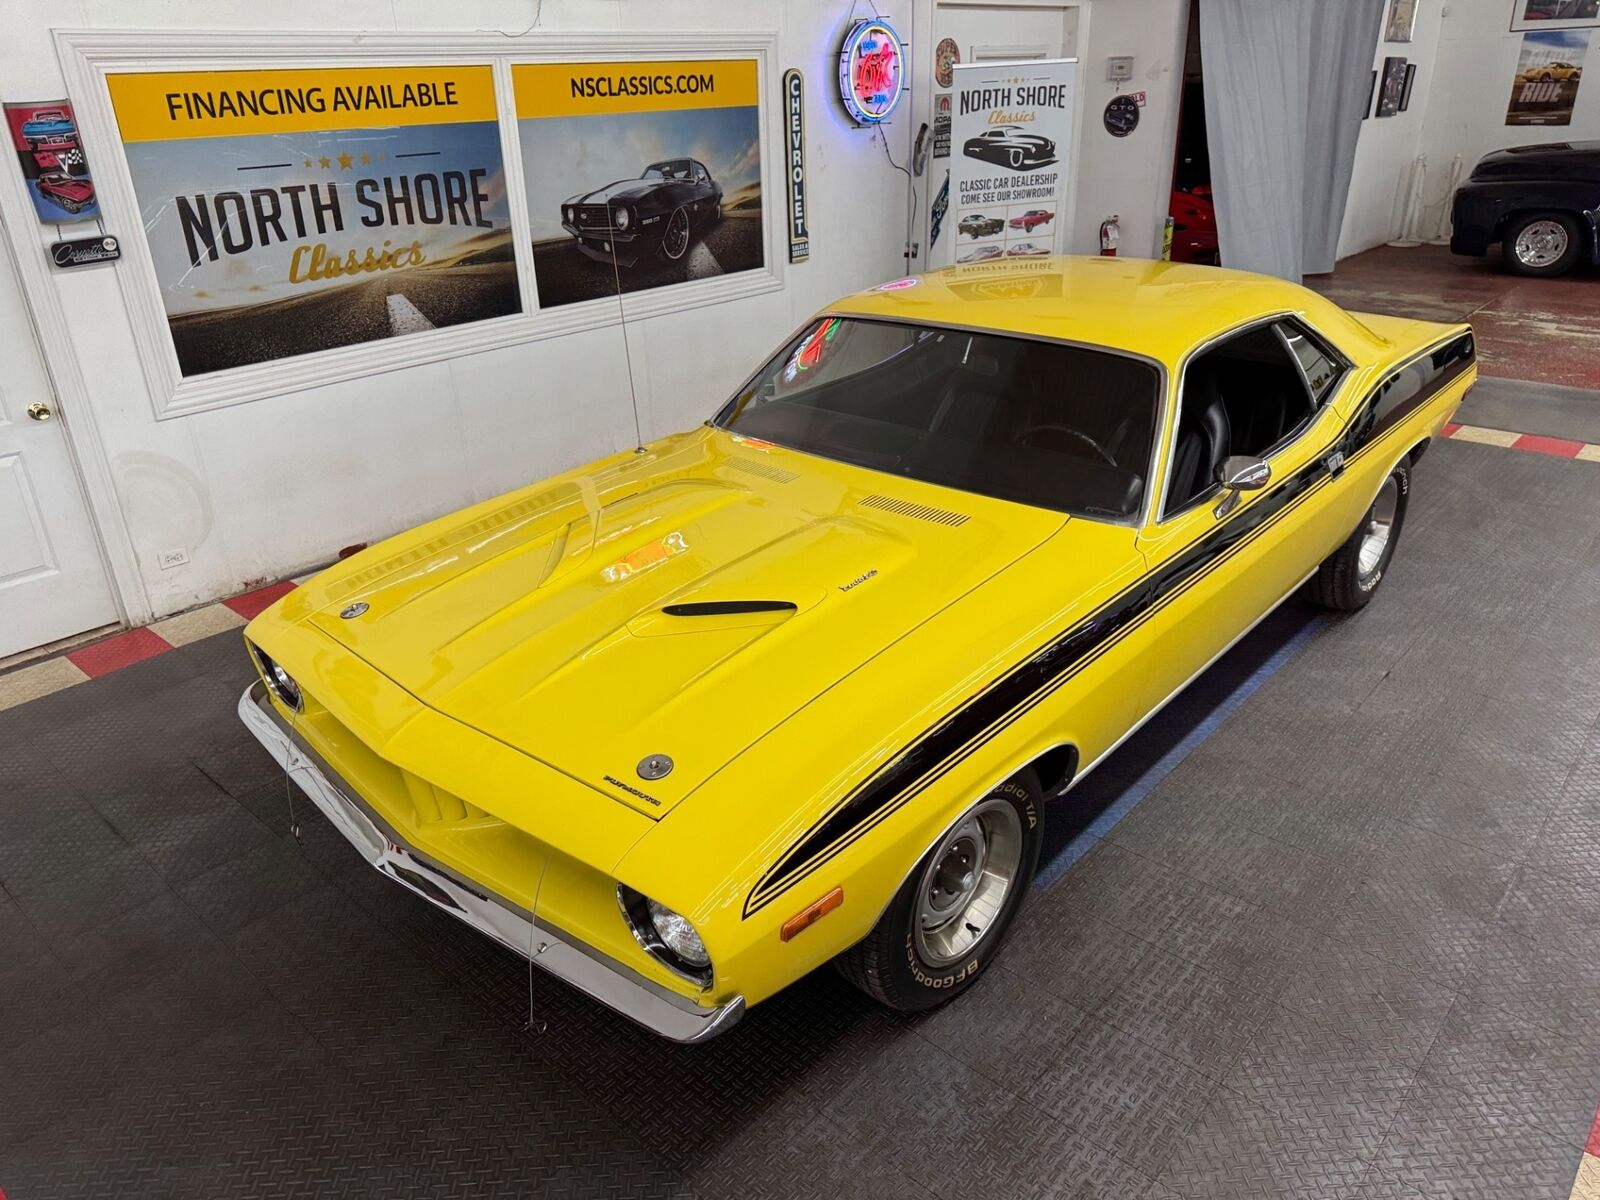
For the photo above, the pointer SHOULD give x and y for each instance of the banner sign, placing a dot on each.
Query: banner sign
(1012, 135)
(45, 137)
(639, 174)
(794, 126)
(300, 210)
(1549, 70)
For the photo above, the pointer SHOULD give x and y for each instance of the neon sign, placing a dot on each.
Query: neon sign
(871, 66)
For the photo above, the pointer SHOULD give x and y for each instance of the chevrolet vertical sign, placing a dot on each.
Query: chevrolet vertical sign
(794, 110)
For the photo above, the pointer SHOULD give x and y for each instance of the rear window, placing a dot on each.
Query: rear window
(1061, 427)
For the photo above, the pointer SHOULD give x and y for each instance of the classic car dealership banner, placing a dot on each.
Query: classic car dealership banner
(1549, 70)
(293, 211)
(639, 174)
(1011, 137)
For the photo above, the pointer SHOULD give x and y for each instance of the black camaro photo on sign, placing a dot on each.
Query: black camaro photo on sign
(660, 212)
(1011, 146)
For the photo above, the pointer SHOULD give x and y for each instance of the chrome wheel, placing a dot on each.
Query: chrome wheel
(1541, 243)
(676, 240)
(1380, 526)
(964, 888)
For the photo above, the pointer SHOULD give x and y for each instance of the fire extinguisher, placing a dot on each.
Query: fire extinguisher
(1110, 232)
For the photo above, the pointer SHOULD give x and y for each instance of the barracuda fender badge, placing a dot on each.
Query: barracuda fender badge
(654, 766)
(351, 611)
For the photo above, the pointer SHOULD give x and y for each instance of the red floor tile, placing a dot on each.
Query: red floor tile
(113, 654)
(1538, 444)
(252, 603)
(1592, 1148)
(1449, 429)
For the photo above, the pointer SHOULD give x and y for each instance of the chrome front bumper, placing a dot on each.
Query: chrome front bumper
(611, 983)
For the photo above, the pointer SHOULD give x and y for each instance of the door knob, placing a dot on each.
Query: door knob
(40, 412)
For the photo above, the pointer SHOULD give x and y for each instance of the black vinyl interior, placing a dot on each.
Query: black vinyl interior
(1242, 397)
(1062, 427)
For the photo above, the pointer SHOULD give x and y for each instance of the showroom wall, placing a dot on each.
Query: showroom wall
(255, 490)
(1466, 58)
(1130, 176)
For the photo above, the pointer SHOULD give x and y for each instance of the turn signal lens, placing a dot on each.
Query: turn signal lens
(811, 914)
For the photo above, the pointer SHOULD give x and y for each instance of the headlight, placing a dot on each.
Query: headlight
(666, 935)
(572, 216)
(678, 934)
(279, 681)
(623, 217)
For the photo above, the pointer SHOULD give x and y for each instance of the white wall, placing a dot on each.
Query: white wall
(1468, 57)
(259, 490)
(1130, 176)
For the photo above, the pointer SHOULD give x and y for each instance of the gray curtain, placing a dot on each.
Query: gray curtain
(1285, 84)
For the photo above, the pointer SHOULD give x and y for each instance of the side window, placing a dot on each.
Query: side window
(1246, 395)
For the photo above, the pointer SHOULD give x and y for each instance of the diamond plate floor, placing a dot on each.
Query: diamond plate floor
(1348, 948)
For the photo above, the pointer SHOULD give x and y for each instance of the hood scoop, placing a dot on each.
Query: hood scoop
(726, 608)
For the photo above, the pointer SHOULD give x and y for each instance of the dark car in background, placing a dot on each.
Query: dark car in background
(1011, 146)
(976, 225)
(1537, 202)
(658, 213)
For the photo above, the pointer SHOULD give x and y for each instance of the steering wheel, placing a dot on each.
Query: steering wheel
(1080, 435)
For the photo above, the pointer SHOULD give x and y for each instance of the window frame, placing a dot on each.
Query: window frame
(1133, 520)
(1158, 515)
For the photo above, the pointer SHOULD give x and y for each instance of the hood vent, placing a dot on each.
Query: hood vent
(725, 608)
(920, 512)
(776, 474)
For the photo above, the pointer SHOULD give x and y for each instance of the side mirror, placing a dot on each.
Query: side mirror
(1238, 474)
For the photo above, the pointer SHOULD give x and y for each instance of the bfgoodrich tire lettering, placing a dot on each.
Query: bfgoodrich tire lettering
(1352, 573)
(912, 960)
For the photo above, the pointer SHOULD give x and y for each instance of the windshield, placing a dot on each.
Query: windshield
(666, 170)
(1061, 427)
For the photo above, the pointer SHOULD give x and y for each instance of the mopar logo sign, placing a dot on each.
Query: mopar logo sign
(794, 101)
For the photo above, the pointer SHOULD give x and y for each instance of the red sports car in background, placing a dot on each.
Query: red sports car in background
(70, 193)
(1034, 216)
(1194, 228)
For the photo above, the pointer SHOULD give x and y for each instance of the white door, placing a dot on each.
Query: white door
(992, 33)
(52, 580)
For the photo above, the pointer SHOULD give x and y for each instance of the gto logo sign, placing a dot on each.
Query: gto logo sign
(871, 66)
(794, 105)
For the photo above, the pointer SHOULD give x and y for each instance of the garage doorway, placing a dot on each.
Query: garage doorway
(52, 578)
(994, 33)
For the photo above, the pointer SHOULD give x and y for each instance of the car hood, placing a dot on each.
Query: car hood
(73, 187)
(540, 619)
(620, 189)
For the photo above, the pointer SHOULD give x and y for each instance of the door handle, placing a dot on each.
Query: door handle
(40, 412)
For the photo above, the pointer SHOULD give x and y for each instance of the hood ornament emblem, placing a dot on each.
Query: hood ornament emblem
(351, 611)
(654, 766)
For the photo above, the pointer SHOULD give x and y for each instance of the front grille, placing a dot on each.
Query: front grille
(593, 216)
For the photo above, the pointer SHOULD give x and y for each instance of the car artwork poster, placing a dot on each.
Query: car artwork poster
(300, 210)
(1011, 137)
(1549, 70)
(639, 175)
(45, 137)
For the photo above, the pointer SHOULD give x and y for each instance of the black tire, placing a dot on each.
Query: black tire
(688, 235)
(1340, 583)
(1520, 264)
(890, 964)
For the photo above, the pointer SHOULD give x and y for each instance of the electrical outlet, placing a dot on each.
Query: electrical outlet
(173, 558)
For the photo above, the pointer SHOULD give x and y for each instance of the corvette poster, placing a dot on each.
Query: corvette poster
(300, 210)
(45, 137)
(1011, 143)
(639, 174)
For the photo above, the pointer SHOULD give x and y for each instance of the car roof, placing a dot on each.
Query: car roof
(1160, 310)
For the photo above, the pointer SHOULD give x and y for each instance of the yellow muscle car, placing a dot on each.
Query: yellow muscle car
(683, 724)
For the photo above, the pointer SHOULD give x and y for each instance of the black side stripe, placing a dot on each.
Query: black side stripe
(1002, 702)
